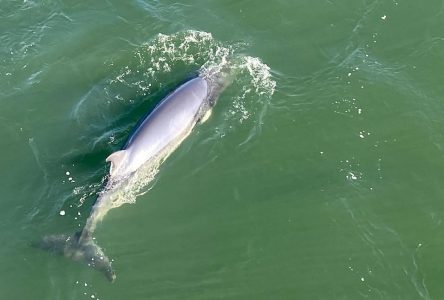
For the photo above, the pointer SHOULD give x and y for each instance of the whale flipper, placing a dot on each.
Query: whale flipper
(205, 117)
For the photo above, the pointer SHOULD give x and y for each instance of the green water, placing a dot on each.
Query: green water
(318, 176)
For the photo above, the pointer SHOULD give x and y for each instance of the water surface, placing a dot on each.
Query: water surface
(318, 175)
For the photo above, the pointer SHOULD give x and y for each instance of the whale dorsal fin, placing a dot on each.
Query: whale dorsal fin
(117, 158)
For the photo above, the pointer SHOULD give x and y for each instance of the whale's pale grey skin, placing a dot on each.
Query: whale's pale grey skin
(169, 121)
(156, 136)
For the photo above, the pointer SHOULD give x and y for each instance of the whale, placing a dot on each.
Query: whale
(155, 137)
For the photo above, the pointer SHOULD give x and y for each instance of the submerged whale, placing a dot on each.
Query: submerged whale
(155, 138)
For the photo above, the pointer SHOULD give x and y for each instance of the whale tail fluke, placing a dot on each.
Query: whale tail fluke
(79, 247)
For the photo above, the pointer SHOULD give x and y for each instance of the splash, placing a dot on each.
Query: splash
(257, 85)
(188, 51)
(167, 54)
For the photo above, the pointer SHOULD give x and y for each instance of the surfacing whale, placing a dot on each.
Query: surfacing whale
(159, 134)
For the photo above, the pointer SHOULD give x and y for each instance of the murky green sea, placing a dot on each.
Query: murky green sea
(318, 176)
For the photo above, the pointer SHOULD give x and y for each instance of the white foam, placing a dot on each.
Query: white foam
(194, 50)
